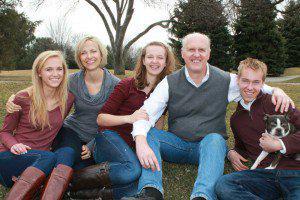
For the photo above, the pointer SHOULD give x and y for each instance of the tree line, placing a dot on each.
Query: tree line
(237, 28)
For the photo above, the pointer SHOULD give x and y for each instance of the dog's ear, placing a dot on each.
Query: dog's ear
(266, 117)
(287, 115)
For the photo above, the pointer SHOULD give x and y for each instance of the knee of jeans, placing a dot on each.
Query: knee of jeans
(152, 135)
(213, 139)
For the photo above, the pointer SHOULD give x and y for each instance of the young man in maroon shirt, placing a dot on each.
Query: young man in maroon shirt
(248, 127)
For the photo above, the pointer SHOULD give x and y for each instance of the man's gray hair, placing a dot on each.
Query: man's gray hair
(195, 34)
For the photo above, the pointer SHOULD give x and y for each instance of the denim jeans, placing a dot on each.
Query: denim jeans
(124, 166)
(13, 165)
(259, 184)
(208, 154)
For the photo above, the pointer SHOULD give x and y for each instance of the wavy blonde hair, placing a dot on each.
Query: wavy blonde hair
(101, 48)
(38, 108)
(140, 69)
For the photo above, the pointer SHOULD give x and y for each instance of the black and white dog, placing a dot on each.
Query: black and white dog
(277, 126)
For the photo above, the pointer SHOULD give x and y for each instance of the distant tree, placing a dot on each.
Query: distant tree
(116, 16)
(257, 34)
(207, 17)
(290, 27)
(16, 33)
(34, 49)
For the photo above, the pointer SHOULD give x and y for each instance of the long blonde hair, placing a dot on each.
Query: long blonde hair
(38, 108)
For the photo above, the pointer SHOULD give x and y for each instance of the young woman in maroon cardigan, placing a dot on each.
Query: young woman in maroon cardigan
(114, 149)
(27, 135)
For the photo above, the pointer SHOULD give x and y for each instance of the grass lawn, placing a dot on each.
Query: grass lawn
(178, 179)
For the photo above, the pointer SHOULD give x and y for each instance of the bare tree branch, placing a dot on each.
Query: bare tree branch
(163, 24)
(111, 15)
(109, 32)
(124, 6)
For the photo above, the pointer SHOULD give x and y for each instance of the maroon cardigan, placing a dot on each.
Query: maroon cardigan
(124, 100)
(247, 127)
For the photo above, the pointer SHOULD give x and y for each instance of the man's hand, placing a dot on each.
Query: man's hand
(86, 153)
(10, 106)
(19, 148)
(236, 160)
(145, 154)
(139, 114)
(281, 100)
(269, 143)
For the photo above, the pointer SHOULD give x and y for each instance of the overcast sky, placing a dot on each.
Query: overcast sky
(83, 19)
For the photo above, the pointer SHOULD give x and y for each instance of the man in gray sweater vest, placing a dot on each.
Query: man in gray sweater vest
(196, 97)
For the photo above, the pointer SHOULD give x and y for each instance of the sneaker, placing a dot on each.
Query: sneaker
(148, 193)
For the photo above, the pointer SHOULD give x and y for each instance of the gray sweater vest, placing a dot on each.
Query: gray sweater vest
(195, 112)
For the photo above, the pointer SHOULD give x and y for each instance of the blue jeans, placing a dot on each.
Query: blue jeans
(13, 165)
(124, 166)
(259, 184)
(208, 154)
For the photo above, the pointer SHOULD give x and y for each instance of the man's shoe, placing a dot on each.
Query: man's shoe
(148, 193)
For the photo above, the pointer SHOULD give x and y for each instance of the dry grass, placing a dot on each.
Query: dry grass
(292, 71)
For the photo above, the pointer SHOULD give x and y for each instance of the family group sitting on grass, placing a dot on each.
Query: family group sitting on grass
(113, 144)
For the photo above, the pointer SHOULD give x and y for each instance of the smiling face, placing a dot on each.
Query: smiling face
(90, 55)
(250, 82)
(154, 60)
(196, 53)
(52, 72)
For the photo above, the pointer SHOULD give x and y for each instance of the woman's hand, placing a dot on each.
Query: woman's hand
(19, 148)
(139, 114)
(86, 153)
(10, 106)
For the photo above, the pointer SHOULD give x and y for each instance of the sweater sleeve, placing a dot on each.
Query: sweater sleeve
(116, 98)
(238, 144)
(10, 123)
(292, 141)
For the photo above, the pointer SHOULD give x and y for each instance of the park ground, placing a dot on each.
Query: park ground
(177, 179)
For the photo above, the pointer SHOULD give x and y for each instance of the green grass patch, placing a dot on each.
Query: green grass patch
(294, 80)
(178, 179)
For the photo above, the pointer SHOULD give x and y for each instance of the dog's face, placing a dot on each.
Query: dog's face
(278, 125)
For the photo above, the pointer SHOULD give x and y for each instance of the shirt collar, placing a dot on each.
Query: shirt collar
(189, 79)
(248, 106)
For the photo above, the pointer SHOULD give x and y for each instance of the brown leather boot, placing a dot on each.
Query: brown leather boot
(96, 193)
(27, 184)
(95, 176)
(58, 183)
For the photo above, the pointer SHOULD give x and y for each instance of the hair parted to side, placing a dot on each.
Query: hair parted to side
(254, 64)
(194, 34)
(140, 69)
(38, 108)
(101, 48)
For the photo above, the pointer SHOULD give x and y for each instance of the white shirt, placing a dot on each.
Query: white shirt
(157, 102)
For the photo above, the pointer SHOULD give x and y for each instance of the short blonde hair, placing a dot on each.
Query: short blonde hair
(38, 108)
(101, 48)
(254, 64)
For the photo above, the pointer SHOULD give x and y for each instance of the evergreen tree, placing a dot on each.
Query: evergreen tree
(257, 35)
(16, 34)
(207, 17)
(291, 33)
